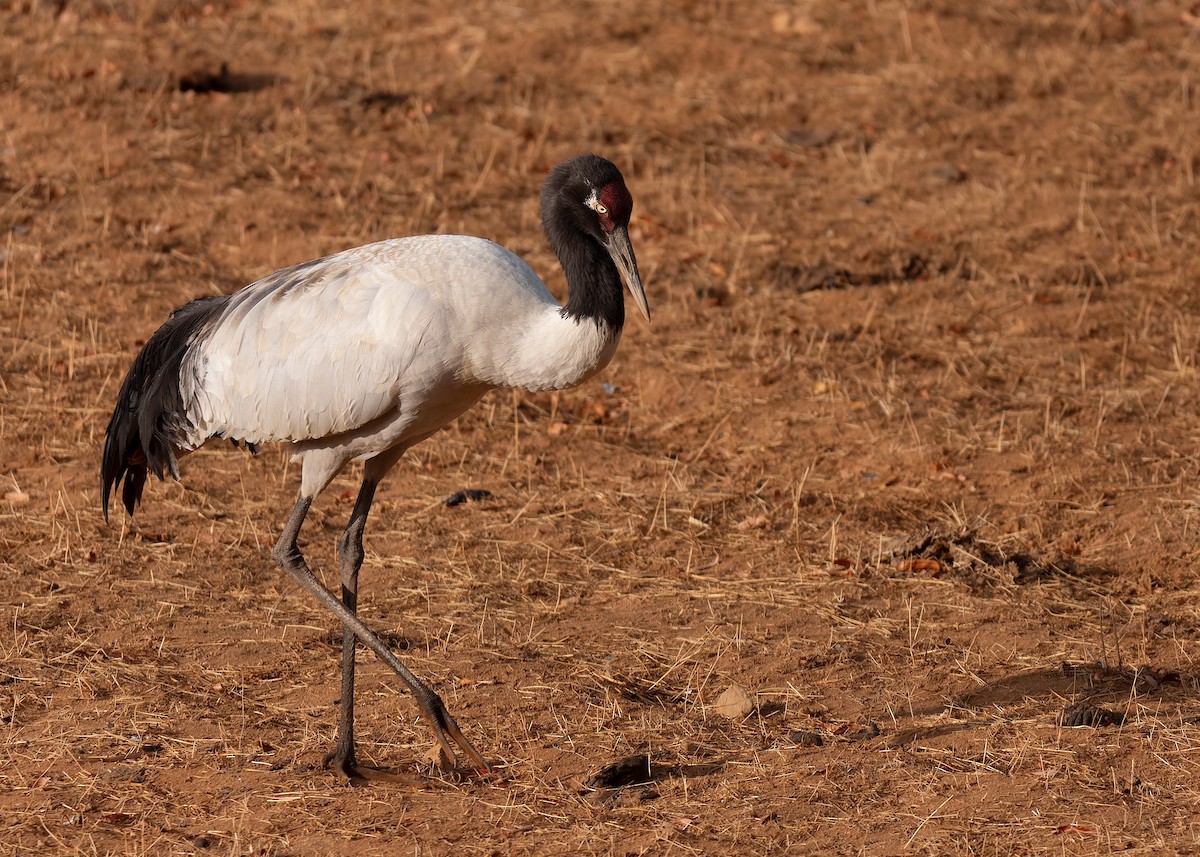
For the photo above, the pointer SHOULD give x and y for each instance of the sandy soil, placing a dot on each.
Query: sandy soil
(908, 454)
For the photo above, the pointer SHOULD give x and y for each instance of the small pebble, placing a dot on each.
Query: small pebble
(805, 738)
(735, 702)
(871, 730)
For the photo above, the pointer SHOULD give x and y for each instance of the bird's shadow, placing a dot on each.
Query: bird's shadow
(1072, 681)
(1074, 692)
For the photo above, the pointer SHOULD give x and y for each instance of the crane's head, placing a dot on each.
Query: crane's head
(589, 194)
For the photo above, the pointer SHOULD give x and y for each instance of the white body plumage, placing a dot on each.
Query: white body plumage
(379, 347)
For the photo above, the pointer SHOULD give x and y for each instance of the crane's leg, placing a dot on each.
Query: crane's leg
(350, 560)
(287, 555)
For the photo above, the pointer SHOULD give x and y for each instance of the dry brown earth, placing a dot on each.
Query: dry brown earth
(909, 452)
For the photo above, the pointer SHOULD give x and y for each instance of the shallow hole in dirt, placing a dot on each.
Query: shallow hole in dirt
(226, 81)
(640, 769)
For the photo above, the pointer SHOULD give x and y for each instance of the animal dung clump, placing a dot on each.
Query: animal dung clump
(1091, 716)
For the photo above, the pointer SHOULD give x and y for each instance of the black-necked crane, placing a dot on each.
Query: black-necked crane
(360, 355)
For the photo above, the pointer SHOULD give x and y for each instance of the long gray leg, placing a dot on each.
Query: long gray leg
(287, 555)
(350, 560)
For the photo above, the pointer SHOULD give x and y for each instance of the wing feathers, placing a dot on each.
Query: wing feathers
(312, 351)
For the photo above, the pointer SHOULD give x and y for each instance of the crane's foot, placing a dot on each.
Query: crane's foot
(442, 758)
(444, 754)
(343, 762)
(360, 775)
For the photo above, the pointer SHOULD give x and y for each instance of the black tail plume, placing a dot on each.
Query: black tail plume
(149, 413)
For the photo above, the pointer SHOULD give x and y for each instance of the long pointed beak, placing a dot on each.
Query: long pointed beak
(621, 250)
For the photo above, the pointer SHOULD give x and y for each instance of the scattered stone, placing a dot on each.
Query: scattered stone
(811, 138)
(1144, 679)
(787, 24)
(871, 730)
(949, 173)
(754, 522)
(735, 702)
(805, 738)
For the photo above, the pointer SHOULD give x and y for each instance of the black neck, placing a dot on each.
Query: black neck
(593, 282)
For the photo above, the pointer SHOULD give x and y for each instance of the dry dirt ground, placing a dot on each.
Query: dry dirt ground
(909, 452)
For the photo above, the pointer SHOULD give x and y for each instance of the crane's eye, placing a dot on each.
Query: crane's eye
(600, 209)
